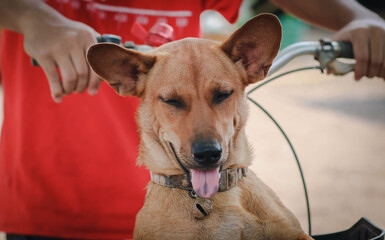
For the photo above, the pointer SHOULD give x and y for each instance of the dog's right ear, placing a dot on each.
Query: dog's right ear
(255, 45)
(121, 68)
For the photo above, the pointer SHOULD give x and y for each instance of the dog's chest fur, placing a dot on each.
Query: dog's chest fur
(249, 211)
(172, 217)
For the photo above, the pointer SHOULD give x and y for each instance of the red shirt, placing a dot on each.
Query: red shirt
(69, 170)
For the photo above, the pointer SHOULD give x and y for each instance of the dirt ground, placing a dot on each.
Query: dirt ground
(337, 126)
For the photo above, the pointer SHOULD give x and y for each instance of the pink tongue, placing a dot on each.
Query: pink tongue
(205, 182)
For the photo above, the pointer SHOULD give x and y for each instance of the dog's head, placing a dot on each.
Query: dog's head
(193, 106)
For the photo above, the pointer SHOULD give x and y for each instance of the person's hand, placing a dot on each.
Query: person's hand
(57, 42)
(368, 39)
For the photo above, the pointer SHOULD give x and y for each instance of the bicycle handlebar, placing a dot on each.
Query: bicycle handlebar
(324, 51)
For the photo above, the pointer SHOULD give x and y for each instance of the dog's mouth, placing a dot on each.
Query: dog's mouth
(205, 182)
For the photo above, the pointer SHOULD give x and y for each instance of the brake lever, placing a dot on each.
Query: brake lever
(340, 68)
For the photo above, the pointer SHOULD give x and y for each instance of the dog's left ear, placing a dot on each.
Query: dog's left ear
(123, 69)
(255, 45)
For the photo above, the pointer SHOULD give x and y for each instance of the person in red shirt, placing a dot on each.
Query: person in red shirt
(68, 166)
(69, 170)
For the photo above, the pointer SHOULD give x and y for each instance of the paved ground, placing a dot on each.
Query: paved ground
(337, 126)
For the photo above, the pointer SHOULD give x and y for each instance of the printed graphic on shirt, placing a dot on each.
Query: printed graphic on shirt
(122, 14)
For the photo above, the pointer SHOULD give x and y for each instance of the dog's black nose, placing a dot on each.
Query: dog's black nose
(206, 152)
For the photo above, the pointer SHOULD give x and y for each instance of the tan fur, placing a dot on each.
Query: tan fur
(192, 71)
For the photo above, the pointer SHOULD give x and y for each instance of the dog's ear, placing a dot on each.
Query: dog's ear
(123, 69)
(255, 45)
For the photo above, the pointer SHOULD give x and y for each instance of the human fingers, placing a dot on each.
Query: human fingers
(361, 54)
(360, 43)
(367, 37)
(376, 48)
(82, 70)
(68, 72)
(382, 71)
(53, 76)
(94, 83)
(93, 79)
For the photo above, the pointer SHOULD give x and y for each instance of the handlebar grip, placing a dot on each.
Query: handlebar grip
(109, 38)
(346, 50)
(103, 38)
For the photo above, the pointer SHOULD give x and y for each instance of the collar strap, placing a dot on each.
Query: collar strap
(228, 179)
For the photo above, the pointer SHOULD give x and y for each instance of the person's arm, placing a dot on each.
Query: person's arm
(354, 23)
(54, 41)
(1, 30)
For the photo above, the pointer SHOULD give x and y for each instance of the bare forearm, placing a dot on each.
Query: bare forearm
(330, 14)
(356, 24)
(54, 41)
(17, 14)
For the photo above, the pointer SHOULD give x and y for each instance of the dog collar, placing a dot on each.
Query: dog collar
(228, 178)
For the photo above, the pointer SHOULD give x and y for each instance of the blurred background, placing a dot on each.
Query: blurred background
(336, 124)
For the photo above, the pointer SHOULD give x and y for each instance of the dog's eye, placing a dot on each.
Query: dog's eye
(172, 102)
(221, 96)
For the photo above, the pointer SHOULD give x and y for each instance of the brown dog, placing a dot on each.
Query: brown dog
(192, 126)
